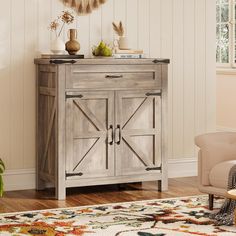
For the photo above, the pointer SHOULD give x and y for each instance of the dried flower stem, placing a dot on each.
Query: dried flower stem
(61, 29)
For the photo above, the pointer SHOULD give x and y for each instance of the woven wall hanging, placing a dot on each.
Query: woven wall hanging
(83, 7)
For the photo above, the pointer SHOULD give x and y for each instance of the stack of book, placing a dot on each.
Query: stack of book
(128, 53)
(61, 56)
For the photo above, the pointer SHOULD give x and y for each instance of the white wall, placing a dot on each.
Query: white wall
(182, 30)
(226, 100)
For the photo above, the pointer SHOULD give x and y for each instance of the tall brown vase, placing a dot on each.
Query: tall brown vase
(72, 46)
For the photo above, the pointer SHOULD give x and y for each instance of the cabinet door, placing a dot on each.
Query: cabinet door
(89, 134)
(138, 132)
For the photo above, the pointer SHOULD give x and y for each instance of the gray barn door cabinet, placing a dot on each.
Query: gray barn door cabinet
(101, 121)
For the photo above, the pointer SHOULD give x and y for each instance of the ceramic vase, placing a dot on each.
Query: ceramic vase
(123, 43)
(72, 46)
(57, 46)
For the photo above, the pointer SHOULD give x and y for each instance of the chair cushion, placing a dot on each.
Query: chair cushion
(218, 176)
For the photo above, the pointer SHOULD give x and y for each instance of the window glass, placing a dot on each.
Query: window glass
(222, 31)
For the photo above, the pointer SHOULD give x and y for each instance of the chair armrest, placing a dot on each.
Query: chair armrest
(214, 148)
(205, 140)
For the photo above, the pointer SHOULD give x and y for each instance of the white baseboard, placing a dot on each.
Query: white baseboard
(182, 167)
(23, 179)
(225, 129)
(20, 179)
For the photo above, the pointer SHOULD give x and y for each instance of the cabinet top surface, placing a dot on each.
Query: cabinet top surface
(102, 61)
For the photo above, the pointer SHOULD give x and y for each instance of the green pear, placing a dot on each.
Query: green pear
(107, 52)
(97, 51)
(101, 45)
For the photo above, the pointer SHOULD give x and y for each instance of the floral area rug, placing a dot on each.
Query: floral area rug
(167, 217)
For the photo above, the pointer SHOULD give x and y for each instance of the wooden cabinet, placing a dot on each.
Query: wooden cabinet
(101, 121)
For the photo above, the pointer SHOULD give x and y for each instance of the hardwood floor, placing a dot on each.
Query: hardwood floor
(28, 200)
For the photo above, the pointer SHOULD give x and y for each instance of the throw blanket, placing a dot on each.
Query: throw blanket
(225, 216)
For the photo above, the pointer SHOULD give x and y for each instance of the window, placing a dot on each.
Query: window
(225, 32)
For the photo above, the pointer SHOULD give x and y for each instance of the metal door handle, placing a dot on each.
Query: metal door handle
(110, 135)
(117, 135)
(114, 76)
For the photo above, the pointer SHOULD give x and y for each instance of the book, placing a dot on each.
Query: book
(127, 56)
(62, 56)
(128, 51)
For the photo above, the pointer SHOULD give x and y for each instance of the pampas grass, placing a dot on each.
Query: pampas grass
(118, 28)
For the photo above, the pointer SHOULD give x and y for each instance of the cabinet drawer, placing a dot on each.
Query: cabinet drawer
(113, 76)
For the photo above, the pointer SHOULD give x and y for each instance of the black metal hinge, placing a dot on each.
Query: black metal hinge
(74, 96)
(153, 168)
(58, 62)
(74, 174)
(153, 94)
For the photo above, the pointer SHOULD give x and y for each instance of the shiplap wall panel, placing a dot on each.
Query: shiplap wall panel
(210, 74)
(167, 39)
(189, 78)
(95, 28)
(5, 78)
(17, 85)
(144, 26)
(107, 18)
(120, 13)
(83, 26)
(200, 66)
(30, 43)
(163, 28)
(44, 18)
(178, 81)
(155, 28)
(132, 23)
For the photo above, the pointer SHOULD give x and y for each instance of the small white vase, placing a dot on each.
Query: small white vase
(57, 46)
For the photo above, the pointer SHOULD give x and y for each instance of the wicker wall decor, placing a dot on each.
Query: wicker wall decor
(83, 7)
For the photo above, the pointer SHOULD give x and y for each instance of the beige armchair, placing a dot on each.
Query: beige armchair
(216, 156)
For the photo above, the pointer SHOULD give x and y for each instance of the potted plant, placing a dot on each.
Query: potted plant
(2, 169)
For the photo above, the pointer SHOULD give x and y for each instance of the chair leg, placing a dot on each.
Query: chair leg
(211, 201)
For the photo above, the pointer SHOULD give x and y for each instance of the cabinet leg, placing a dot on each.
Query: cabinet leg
(60, 194)
(159, 185)
(162, 185)
(60, 190)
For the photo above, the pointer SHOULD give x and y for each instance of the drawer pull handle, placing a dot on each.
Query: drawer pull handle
(110, 135)
(74, 96)
(74, 174)
(153, 168)
(114, 76)
(161, 61)
(117, 135)
(153, 94)
(58, 62)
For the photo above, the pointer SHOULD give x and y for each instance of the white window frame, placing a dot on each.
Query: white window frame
(232, 37)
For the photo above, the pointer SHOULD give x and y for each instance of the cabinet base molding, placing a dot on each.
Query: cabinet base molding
(112, 180)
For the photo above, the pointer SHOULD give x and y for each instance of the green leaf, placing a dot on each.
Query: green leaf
(2, 164)
(1, 186)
